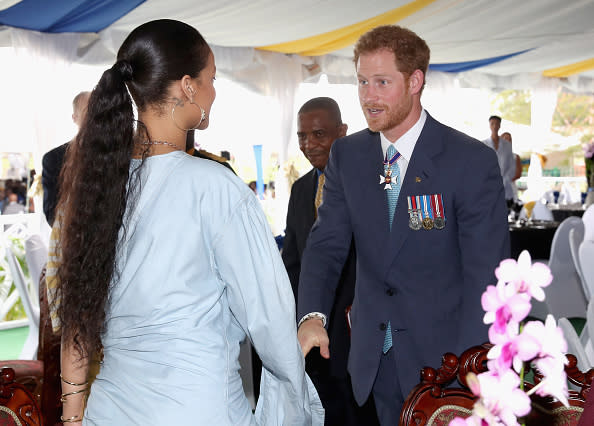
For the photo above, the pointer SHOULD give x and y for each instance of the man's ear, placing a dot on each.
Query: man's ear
(342, 131)
(416, 81)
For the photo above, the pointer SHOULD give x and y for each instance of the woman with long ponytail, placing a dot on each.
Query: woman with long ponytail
(166, 262)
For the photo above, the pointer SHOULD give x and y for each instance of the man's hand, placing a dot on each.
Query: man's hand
(312, 333)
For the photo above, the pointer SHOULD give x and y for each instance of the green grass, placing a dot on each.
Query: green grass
(578, 324)
(11, 342)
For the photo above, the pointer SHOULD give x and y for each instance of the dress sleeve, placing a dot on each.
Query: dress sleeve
(290, 253)
(248, 263)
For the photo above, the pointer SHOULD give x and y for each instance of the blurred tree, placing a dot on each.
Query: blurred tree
(574, 115)
(514, 105)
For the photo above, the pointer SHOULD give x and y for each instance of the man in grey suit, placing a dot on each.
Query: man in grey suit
(426, 208)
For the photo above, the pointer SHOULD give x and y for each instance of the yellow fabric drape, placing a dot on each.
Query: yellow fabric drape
(322, 44)
(571, 69)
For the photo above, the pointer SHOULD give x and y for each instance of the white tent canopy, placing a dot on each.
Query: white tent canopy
(249, 36)
(553, 33)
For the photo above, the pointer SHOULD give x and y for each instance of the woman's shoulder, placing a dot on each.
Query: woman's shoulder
(212, 178)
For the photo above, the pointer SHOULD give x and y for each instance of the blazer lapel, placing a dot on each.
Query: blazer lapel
(421, 169)
(371, 195)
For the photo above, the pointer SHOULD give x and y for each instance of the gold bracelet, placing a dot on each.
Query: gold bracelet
(64, 395)
(71, 419)
(71, 383)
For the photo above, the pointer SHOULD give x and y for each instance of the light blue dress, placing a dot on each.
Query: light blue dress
(199, 270)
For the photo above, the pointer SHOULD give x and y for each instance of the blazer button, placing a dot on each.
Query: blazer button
(390, 292)
(383, 326)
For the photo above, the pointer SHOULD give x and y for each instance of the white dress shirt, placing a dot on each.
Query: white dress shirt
(405, 144)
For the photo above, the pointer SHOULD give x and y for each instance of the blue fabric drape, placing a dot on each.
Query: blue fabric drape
(66, 16)
(470, 65)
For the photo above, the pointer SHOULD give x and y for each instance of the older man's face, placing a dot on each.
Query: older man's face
(316, 132)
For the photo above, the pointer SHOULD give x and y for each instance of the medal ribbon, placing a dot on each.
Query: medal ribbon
(409, 204)
(394, 158)
(435, 205)
(420, 207)
(439, 201)
(427, 207)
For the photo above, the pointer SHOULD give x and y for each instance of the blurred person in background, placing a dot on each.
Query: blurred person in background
(518, 162)
(505, 157)
(53, 160)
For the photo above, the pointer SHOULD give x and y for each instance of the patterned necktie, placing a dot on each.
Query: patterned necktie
(319, 193)
(392, 194)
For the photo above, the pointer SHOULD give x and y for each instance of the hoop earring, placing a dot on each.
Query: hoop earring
(202, 117)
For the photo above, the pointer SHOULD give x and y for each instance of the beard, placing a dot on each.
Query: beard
(393, 115)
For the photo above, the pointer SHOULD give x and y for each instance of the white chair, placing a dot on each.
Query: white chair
(586, 256)
(574, 346)
(576, 236)
(588, 219)
(29, 350)
(36, 257)
(565, 296)
(29, 295)
(588, 332)
(586, 250)
(539, 310)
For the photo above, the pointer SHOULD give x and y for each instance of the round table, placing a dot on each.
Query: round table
(561, 214)
(535, 237)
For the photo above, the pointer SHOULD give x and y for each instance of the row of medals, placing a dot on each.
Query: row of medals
(427, 223)
(415, 222)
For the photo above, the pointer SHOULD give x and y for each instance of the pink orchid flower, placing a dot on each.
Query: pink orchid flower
(511, 331)
(473, 420)
(503, 304)
(501, 396)
(554, 382)
(514, 351)
(500, 400)
(550, 336)
(525, 276)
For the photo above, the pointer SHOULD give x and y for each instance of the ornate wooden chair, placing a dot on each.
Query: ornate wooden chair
(18, 406)
(547, 411)
(41, 377)
(433, 402)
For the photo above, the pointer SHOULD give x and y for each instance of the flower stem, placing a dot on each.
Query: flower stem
(535, 388)
(522, 370)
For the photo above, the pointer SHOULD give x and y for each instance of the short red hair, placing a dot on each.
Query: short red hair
(410, 50)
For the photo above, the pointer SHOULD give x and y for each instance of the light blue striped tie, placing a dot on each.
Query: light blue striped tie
(395, 191)
(392, 201)
(387, 339)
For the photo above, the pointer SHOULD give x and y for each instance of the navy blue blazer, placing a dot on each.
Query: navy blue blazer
(301, 216)
(428, 284)
(52, 163)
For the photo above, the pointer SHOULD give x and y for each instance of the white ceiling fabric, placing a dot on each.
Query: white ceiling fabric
(554, 32)
(558, 32)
